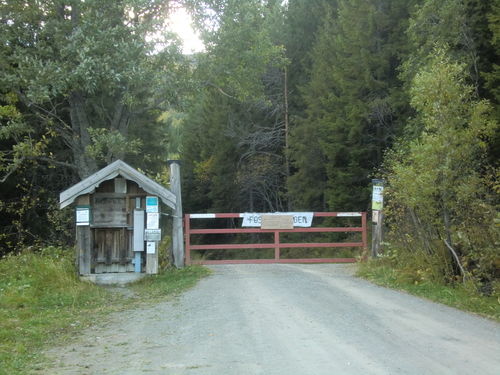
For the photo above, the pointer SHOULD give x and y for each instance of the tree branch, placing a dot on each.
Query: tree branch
(221, 91)
(13, 169)
(462, 270)
(29, 103)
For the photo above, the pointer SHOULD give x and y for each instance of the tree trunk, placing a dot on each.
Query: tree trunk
(79, 119)
(121, 121)
(80, 125)
(420, 231)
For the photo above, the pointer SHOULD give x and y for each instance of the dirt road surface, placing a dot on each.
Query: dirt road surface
(286, 320)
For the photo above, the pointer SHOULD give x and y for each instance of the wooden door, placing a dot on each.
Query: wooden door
(112, 250)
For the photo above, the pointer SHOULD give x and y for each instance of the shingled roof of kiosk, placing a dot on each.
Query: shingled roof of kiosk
(89, 185)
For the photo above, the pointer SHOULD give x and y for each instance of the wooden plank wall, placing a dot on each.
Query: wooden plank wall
(110, 210)
(112, 250)
(113, 227)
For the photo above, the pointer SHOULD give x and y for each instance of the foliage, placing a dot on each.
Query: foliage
(173, 123)
(299, 34)
(234, 136)
(467, 30)
(106, 144)
(438, 22)
(439, 188)
(82, 84)
(89, 65)
(293, 106)
(353, 105)
(240, 49)
(492, 75)
(29, 213)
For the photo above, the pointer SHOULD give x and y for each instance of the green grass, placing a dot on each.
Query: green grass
(169, 283)
(461, 296)
(43, 302)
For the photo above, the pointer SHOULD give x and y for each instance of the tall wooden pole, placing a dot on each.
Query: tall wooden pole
(177, 231)
(377, 216)
(287, 132)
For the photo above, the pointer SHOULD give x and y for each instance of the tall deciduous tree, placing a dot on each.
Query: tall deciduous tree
(88, 70)
(81, 84)
(467, 28)
(440, 199)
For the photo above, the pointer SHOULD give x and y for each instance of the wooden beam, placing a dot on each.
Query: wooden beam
(83, 242)
(177, 230)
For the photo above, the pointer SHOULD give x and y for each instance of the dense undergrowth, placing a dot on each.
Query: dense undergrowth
(42, 301)
(441, 202)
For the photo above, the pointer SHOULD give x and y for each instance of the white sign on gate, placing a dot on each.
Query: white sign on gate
(300, 219)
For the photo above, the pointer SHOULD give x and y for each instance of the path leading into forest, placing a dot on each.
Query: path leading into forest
(279, 319)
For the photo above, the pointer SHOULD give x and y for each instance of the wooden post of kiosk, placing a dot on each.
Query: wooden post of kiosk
(152, 233)
(138, 235)
(177, 230)
(377, 216)
(83, 235)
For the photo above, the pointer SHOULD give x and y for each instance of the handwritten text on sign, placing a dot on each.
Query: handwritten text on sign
(300, 219)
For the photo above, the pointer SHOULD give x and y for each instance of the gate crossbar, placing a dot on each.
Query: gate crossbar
(277, 244)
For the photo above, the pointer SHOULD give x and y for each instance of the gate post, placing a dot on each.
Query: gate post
(276, 245)
(364, 233)
(177, 231)
(377, 216)
(187, 228)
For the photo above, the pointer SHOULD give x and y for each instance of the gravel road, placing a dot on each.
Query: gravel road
(287, 320)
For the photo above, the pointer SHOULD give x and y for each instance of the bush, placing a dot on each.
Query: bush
(442, 207)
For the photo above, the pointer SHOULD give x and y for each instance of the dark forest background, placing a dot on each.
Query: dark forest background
(293, 105)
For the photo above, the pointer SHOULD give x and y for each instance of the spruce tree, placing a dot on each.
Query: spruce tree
(354, 104)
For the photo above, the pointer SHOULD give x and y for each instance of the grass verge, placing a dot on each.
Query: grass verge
(169, 283)
(42, 301)
(460, 296)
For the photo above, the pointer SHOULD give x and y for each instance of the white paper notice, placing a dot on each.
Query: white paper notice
(300, 219)
(150, 247)
(82, 216)
(152, 220)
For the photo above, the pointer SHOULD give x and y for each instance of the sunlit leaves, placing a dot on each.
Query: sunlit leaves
(241, 50)
(106, 144)
(440, 178)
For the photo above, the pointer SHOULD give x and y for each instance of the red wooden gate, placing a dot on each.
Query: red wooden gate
(276, 244)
